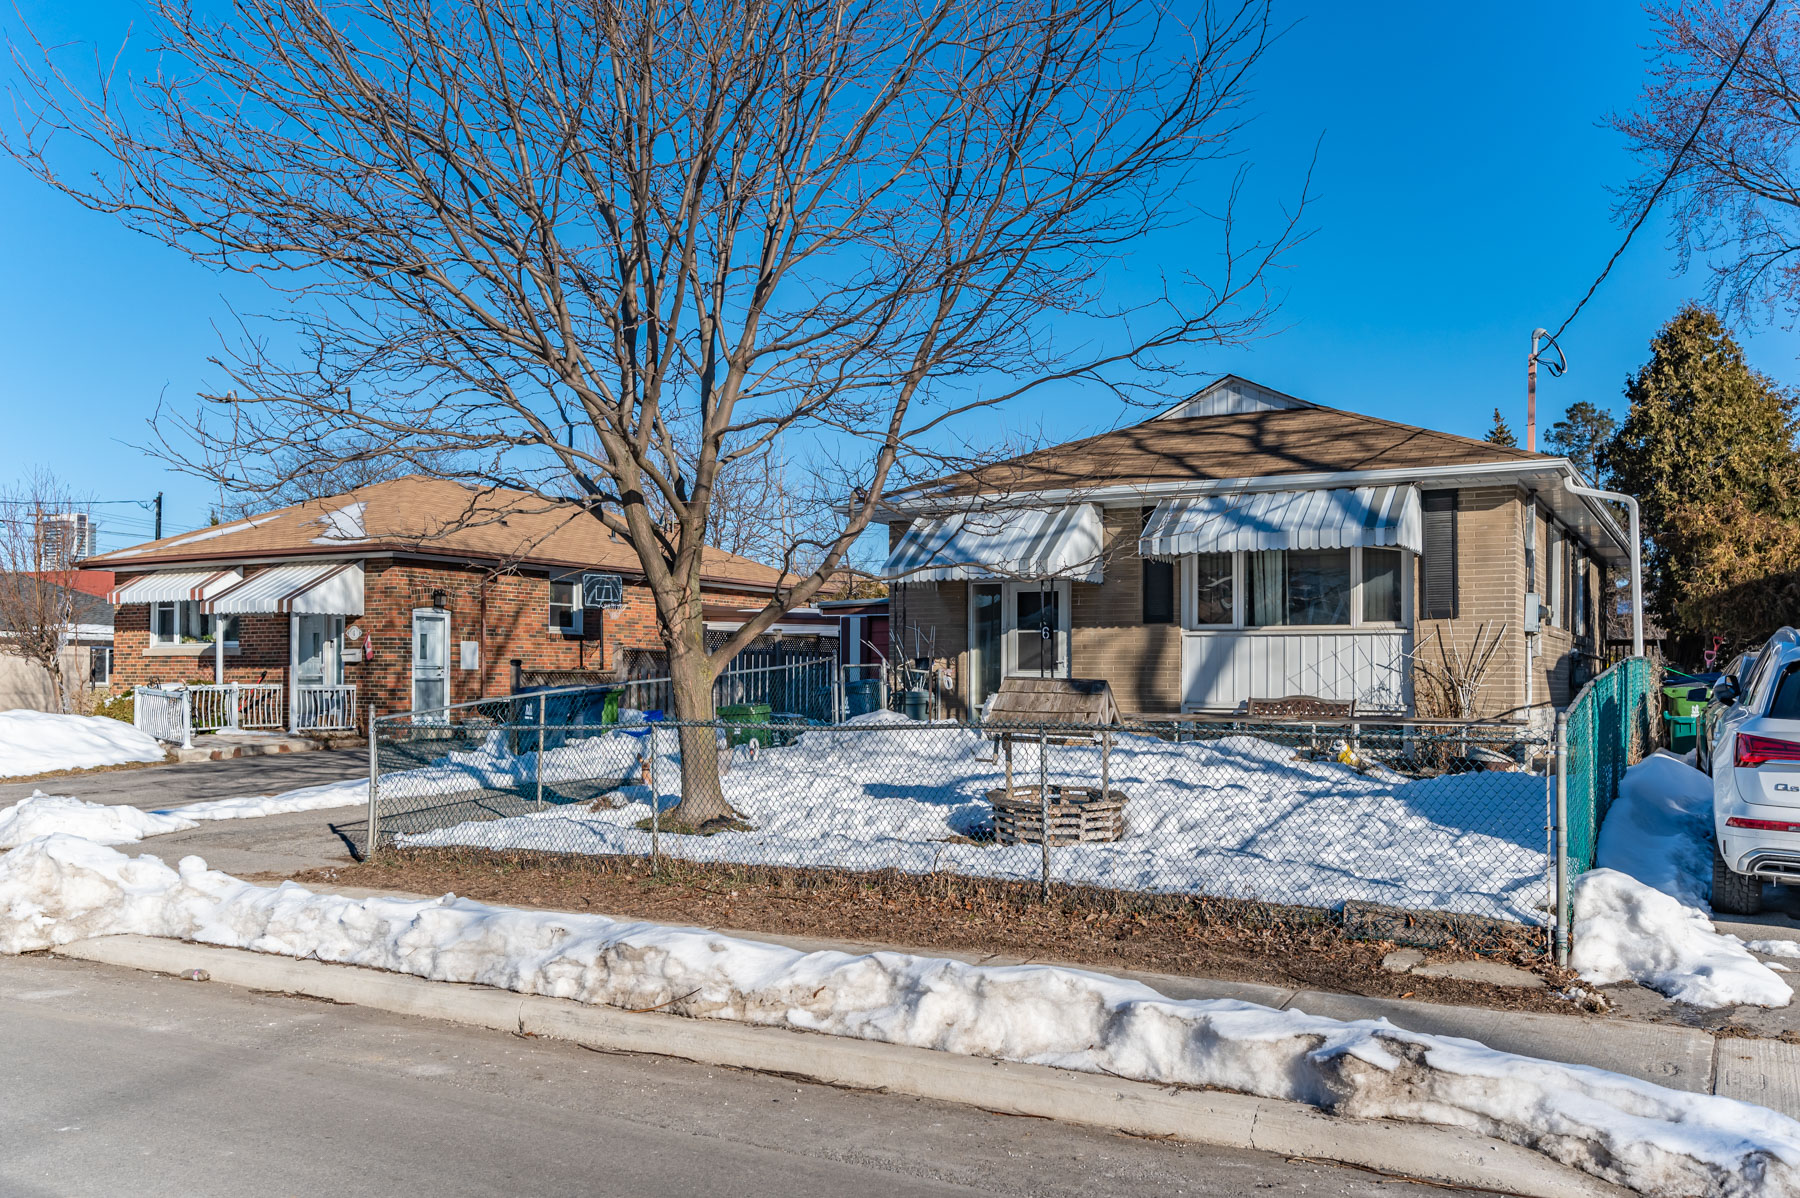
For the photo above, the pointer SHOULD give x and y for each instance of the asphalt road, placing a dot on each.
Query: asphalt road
(155, 786)
(118, 1082)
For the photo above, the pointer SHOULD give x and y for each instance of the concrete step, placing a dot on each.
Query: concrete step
(223, 746)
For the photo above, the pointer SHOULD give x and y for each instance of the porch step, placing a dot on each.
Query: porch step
(222, 746)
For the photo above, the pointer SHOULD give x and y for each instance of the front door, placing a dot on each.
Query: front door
(987, 650)
(321, 661)
(430, 661)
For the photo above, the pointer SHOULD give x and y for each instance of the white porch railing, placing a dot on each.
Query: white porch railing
(235, 705)
(162, 713)
(324, 708)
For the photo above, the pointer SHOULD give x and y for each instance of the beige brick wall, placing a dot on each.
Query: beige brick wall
(1490, 576)
(1108, 637)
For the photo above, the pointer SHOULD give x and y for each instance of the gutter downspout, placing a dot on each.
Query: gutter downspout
(1637, 563)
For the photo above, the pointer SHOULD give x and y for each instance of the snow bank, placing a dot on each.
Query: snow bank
(322, 797)
(1642, 915)
(42, 815)
(1238, 817)
(1658, 1141)
(36, 742)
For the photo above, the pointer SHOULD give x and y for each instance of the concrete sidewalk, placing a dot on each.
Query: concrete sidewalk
(156, 786)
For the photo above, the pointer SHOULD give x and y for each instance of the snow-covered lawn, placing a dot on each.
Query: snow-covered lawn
(36, 742)
(42, 814)
(1662, 1142)
(1238, 817)
(1643, 914)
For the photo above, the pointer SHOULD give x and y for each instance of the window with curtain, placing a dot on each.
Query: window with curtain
(183, 623)
(1381, 586)
(1213, 589)
(1299, 587)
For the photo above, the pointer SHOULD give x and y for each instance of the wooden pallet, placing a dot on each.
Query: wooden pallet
(1077, 815)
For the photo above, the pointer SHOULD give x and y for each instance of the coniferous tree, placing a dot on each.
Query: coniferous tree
(1582, 436)
(1501, 433)
(1708, 449)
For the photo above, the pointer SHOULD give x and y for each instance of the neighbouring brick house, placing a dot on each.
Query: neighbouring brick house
(1245, 544)
(406, 594)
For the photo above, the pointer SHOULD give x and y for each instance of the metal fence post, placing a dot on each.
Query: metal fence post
(1563, 910)
(187, 718)
(374, 834)
(655, 809)
(236, 718)
(1044, 811)
(537, 769)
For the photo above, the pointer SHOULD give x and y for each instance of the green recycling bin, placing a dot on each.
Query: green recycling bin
(1684, 699)
(1684, 732)
(751, 715)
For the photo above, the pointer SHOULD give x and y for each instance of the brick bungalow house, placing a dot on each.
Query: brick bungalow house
(1245, 544)
(406, 594)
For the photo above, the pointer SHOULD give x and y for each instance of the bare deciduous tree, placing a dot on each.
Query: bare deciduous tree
(1736, 193)
(37, 575)
(600, 251)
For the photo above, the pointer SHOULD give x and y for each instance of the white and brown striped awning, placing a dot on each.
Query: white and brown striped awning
(1256, 520)
(173, 586)
(317, 588)
(1018, 542)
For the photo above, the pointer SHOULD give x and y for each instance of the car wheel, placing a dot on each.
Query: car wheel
(1734, 893)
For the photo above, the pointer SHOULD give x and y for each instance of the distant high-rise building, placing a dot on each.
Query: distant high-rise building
(67, 537)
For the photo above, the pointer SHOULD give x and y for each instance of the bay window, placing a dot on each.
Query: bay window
(181, 622)
(1297, 588)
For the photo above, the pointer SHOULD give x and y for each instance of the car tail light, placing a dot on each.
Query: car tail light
(1753, 751)
(1761, 825)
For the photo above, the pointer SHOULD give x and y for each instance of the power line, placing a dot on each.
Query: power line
(1674, 165)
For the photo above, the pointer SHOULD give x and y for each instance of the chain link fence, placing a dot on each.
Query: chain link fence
(1417, 816)
(1610, 726)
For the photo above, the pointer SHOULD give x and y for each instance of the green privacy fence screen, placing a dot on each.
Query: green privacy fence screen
(1610, 727)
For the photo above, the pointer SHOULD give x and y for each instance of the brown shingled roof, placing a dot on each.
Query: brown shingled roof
(1234, 445)
(424, 515)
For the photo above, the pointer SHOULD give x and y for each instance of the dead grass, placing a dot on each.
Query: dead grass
(1230, 940)
(92, 769)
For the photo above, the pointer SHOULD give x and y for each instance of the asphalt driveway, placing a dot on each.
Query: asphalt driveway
(158, 786)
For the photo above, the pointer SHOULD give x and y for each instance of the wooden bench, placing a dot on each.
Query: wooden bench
(1300, 707)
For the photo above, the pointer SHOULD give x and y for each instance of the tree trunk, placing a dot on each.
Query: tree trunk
(691, 678)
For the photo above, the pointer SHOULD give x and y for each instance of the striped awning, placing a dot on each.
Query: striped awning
(318, 588)
(1020, 542)
(170, 586)
(1253, 520)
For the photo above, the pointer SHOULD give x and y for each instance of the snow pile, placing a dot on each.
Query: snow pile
(1238, 817)
(1658, 1141)
(322, 797)
(1643, 914)
(42, 815)
(36, 742)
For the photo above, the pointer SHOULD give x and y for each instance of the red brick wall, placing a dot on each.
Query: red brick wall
(507, 615)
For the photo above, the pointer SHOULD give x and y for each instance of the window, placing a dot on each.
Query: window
(183, 623)
(1438, 556)
(565, 606)
(1213, 589)
(1381, 576)
(1786, 704)
(1555, 601)
(1299, 587)
(100, 664)
(1159, 583)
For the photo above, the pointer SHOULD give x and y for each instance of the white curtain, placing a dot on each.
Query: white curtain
(1268, 587)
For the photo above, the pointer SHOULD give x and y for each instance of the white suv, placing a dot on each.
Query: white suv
(1755, 758)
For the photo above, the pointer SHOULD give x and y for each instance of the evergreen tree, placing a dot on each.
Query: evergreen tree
(1582, 436)
(1501, 433)
(1708, 449)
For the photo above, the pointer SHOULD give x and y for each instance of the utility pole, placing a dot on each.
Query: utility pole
(158, 535)
(1555, 368)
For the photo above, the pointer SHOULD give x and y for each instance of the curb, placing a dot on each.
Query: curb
(1451, 1155)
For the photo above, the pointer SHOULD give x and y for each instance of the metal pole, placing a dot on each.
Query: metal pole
(1562, 840)
(374, 834)
(1637, 564)
(158, 534)
(537, 770)
(655, 808)
(1531, 393)
(187, 718)
(1044, 812)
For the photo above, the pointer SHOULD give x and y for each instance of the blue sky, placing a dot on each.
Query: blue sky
(1462, 200)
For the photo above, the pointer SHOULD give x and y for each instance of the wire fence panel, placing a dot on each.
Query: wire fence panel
(1611, 726)
(1447, 818)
